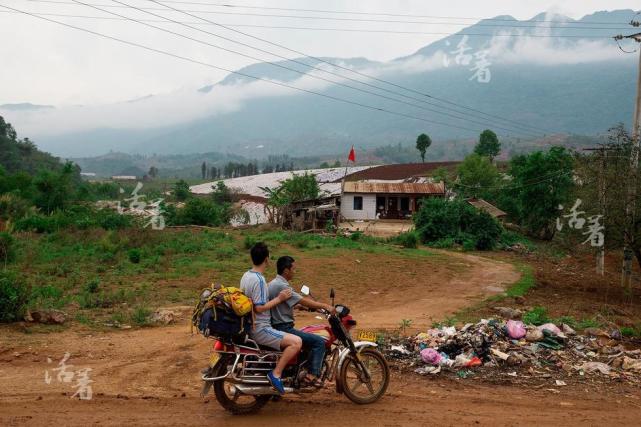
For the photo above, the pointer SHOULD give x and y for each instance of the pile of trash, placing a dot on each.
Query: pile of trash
(513, 345)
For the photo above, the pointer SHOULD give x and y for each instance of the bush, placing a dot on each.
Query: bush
(38, 223)
(6, 247)
(92, 286)
(134, 255)
(140, 316)
(198, 211)
(112, 220)
(439, 219)
(249, 241)
(407, 240)
(14, 295)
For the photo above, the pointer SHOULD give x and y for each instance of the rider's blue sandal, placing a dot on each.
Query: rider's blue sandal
(276, 382)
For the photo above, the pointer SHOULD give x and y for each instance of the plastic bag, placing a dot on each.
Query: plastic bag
(516, 329)
(431, 356)
(550, 327)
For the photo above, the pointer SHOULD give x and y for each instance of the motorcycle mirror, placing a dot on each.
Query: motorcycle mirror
(304, 290)
(331, 293)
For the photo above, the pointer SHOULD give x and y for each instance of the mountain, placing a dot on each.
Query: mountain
(570, 79)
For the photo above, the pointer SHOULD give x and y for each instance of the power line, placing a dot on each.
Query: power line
(380, 14)
(349, 30)
(130, 43)
(301, 72)
(326, 18)
(527, 183)
(355, 71)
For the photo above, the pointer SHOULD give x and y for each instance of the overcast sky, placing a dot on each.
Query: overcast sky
(45, 63)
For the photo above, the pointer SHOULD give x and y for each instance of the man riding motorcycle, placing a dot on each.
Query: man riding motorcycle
(282, 316)
(253, 285)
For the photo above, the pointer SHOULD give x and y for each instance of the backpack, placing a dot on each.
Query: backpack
(223, 312)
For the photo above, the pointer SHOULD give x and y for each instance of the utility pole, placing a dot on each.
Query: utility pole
(630, 208)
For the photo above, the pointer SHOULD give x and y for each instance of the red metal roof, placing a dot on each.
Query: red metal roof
(394, 188)
(398, 171)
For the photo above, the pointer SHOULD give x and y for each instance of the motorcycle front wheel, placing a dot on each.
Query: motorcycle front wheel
(356, 386)
(236, 403)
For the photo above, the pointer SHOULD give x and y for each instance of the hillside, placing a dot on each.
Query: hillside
(22, 155)
(562, 80)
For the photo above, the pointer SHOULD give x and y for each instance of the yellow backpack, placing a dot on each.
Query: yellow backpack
(237, 300)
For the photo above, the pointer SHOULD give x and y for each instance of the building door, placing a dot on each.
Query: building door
(380, 205)
(392, 207)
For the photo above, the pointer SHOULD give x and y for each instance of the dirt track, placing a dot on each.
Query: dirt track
(151, 376)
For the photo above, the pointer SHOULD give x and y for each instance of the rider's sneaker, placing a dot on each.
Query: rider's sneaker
(276, 382)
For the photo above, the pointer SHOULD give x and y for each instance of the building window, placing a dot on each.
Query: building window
(358, 203)
(405, 203)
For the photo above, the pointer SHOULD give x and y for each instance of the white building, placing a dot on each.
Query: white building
(369, 200)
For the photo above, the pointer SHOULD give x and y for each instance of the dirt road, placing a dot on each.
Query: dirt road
(150, 376)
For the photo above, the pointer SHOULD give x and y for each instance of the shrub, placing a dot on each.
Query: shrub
(140, 316)
(249, 241)
(442, 219)
(407, 240)
(134, 255)
(112, 220)
(6, 247)
(92, 286)
(14, 295)
(38, 223)
(199, 211)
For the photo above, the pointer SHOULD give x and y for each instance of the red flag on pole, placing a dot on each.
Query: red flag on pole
(352, 155)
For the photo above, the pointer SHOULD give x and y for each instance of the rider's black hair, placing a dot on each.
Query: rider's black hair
(259, 253)
(284, 263)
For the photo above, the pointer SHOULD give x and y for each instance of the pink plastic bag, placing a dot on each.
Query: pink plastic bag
(516, 329)
(431, 356)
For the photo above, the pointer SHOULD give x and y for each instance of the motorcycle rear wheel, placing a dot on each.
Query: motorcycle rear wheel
(355, 387)
(237, 404)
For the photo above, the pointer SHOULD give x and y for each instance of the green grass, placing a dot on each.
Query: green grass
(140, 316)
(524, 284)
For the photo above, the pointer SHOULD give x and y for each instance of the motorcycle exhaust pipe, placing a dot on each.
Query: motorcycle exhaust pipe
(259, 391)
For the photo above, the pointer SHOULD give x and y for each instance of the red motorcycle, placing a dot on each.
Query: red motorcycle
(238, 372)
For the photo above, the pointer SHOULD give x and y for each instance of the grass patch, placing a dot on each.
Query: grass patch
(536, 316)
(524, 284)
(140, 316)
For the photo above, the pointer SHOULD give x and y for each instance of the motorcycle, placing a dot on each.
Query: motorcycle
(238, 372)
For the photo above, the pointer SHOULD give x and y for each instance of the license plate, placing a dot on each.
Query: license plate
(367, 336)
(215, 357)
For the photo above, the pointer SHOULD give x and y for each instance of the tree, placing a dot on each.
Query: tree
(611, 168)
(203, 169)
(294, 189)
(54, 189)
(488, 145)
(222, 193)
(153, 172)
(181, 190)
(422, 143)
(541, 181)
(477, 177)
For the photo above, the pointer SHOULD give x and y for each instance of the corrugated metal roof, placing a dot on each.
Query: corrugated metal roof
(487, 207)
(393, 188)
(399, 171)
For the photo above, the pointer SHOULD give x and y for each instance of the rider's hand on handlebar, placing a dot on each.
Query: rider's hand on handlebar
(284, 295)
(330, 309)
